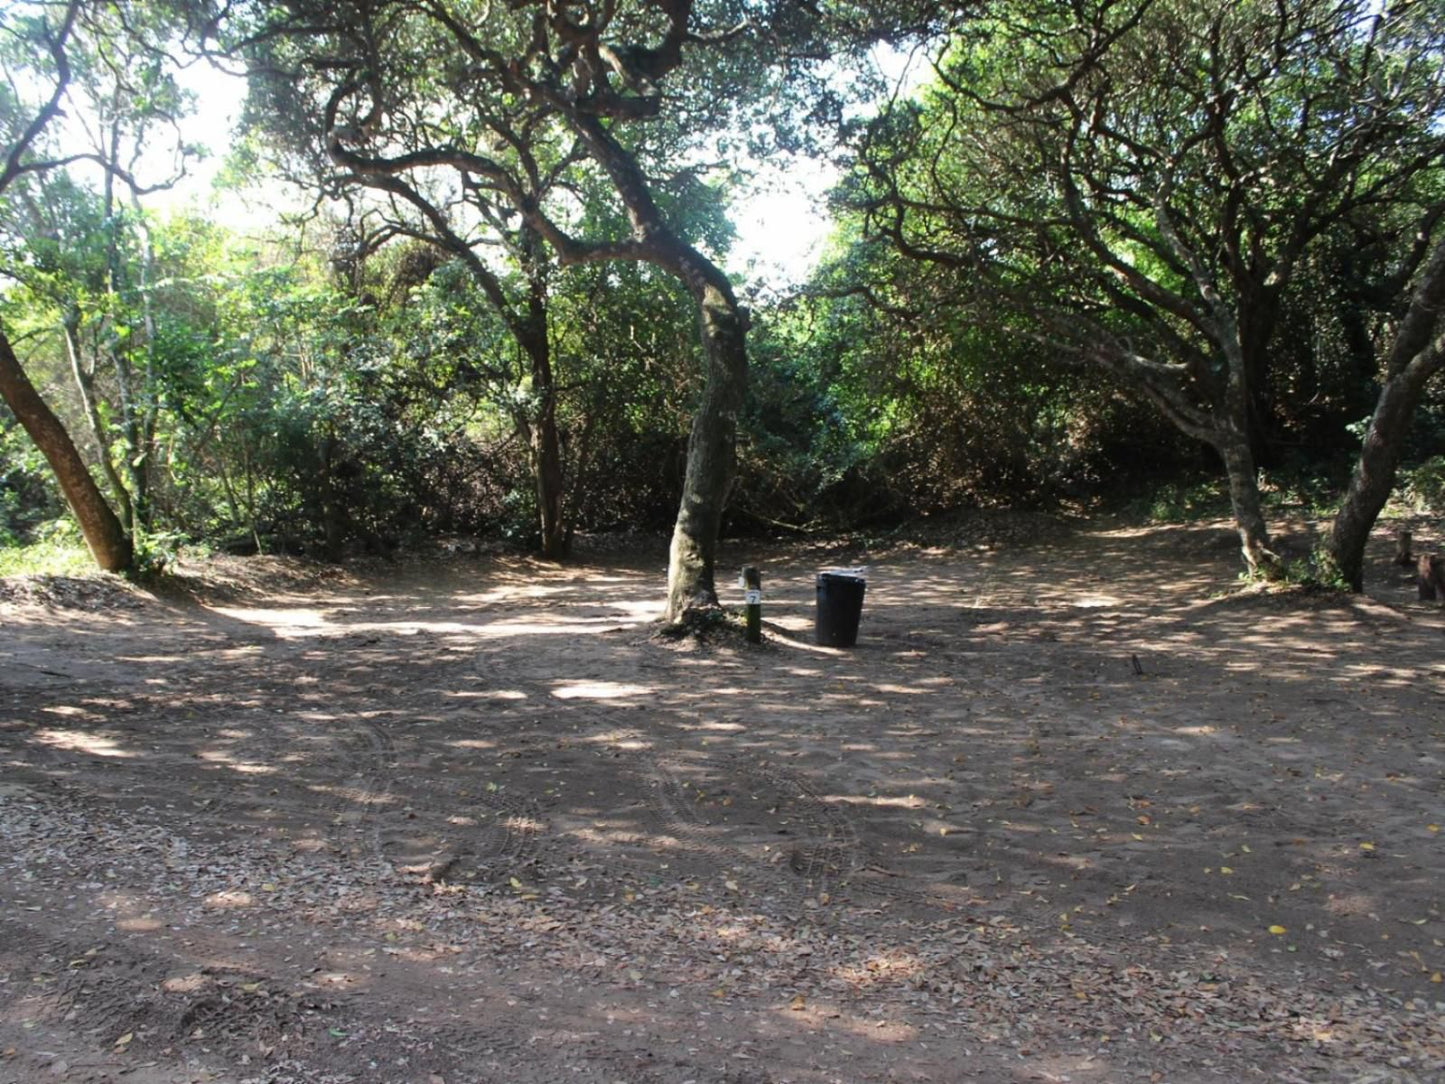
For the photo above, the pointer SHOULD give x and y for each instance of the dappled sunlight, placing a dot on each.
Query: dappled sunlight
(485, 694)
(1034, 783)
(130, 911)
(600, 690)
(888, 966)
(211, 756)
(232, 899)
(322, 622)
(1095, 602)
(899, 690)
(93, 744)
(841, 1026)
(66, 710)
(909, 802)
(193, 983)
(629, 739)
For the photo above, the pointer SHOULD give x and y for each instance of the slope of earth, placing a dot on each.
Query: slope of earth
(1075, 808)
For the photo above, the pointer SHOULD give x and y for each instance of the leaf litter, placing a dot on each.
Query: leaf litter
(265, 935)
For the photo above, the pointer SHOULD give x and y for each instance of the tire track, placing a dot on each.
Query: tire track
(759, 819)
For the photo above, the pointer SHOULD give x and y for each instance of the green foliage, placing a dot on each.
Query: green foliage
(1182, 501)
(55, 549)
(1423, 487)
(28, 497)
(921, 408)
(346, 398)
(1208, 202)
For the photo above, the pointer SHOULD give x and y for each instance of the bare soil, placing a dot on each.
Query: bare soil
(1076, 808)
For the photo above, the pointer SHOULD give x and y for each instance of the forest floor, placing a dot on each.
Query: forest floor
(1076, 808)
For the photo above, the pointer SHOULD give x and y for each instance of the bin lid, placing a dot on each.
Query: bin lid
(859, 573)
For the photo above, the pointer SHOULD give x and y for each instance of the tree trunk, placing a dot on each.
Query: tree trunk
(108, 542)
(85, 385)
(710, 448)
(722, 328)
(1374, 474)
(531, 332)
(1415, 356)
(1233, 446)
(547, 467)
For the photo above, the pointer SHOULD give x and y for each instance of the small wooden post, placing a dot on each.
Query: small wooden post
(1431, 572)
(1403, 556)
(753, 585)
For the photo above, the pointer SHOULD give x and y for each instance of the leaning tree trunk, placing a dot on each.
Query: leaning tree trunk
(108, 542)
(1415, 356)
(1374, 474)
(710, 448)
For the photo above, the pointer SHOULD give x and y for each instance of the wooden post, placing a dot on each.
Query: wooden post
(1431, 572)
(1403, 557)
(753, 584)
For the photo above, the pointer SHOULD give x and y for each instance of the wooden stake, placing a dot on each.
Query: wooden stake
(1431, 572)
(1403, 557)
(753, 584)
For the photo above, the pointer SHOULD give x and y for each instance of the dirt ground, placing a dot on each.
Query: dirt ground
(1076, 808)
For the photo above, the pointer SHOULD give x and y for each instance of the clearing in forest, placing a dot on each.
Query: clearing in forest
(1076, 808)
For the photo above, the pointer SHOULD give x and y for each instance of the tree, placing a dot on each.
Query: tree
(1138, 184)
(1415, 355)
(498, 96)
(503, 253)
(50, 27)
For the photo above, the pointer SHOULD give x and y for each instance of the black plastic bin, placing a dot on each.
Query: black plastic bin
(840, 605)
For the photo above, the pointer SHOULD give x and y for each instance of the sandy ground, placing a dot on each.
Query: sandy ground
(1076, 808)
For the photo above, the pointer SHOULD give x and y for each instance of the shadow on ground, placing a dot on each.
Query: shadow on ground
(1073, 810)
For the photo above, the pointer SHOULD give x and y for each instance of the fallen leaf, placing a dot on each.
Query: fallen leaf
(1278, 930)
(127, 1037)
(798, 1004)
